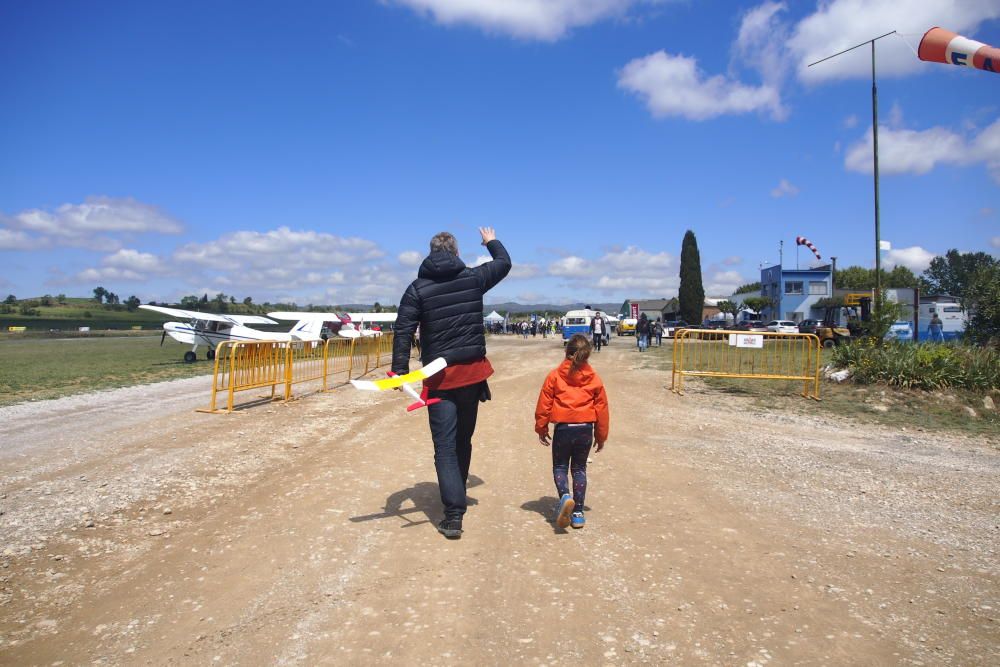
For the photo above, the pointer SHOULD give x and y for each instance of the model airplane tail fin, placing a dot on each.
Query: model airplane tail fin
(422, 402)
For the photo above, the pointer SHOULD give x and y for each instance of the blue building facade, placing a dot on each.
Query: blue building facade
(794, 293)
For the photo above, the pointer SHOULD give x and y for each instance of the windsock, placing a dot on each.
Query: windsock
(943, 46)
(801, 240)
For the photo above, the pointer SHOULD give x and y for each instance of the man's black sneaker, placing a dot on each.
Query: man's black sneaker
(450, 528)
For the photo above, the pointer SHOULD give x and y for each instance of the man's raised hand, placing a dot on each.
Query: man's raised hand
(488, 234)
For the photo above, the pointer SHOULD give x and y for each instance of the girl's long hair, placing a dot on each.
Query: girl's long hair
(578, 350)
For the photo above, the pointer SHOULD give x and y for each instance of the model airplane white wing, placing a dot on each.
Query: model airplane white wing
(423, 373)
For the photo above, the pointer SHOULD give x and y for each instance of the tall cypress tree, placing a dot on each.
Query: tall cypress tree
(691, 294)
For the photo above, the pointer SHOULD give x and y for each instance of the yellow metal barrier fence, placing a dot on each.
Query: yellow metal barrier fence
(751, 355)
(242, 366)
(339, 354)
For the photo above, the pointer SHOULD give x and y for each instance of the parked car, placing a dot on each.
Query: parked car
(808, 326)
(627, 326)
(783, 326)
(900, 330)
(670, 328)
(750, 325)
(714, 324)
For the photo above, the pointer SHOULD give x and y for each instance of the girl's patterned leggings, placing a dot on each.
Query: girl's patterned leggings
(570, 447)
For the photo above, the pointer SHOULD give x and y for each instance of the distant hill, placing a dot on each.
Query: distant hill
(542, 307)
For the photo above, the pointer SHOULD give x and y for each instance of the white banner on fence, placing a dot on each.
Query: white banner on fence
(747, 340)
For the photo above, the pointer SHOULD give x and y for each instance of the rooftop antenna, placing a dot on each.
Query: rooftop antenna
(878, 258)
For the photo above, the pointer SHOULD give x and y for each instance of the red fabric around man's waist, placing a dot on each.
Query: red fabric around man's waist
(460, 375)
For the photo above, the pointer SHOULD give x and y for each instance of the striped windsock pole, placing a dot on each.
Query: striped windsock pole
(801, 240)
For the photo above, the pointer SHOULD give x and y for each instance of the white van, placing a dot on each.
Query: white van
(578, 322)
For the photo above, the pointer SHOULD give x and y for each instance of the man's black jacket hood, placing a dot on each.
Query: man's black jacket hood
(446, 302)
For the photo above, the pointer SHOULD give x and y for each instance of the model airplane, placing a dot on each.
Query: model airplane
(210, 329)
(403, 382)
(346, 325)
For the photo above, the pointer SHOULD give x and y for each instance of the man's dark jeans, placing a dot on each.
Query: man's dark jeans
(453, 421)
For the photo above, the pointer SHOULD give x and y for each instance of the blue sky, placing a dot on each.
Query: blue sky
(308, 151)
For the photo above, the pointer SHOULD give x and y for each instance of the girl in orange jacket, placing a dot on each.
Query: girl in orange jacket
(572, 398)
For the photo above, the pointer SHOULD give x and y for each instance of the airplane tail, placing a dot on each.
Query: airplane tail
(311, 329)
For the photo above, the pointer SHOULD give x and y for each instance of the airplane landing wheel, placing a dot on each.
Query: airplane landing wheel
(210, 354)
(190, 357)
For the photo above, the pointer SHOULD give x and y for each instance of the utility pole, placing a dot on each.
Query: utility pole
(878, 231)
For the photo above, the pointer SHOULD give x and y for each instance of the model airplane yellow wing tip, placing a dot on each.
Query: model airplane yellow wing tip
(423, 373)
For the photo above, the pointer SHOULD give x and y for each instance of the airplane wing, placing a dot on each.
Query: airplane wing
(187, 314)
(212, 317)
(430, 369)
(250, 319)
(372, 317)
(298, 317)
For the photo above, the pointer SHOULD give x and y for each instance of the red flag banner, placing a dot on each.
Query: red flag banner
(944, 46)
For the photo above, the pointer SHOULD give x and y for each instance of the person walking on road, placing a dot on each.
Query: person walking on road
(936, 329)
(446, 303)
(573, 399)
(658, 332)
(597, 331)
(642, 332)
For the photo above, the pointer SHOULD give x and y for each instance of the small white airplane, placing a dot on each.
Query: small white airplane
(210, 329)
(346, 325)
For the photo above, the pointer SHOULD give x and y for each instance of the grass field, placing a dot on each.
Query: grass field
(872, 404)
(33, 369)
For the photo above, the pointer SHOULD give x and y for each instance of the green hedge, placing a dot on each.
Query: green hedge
(921, 366)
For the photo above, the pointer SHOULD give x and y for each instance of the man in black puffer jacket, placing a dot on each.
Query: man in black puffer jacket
(446, 302)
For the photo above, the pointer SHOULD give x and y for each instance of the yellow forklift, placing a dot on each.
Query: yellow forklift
(842, 320)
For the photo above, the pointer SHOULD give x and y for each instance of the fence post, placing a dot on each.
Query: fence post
(232, 382)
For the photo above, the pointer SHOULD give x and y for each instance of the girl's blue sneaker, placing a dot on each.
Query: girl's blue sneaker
(564, 509)
(577, 520)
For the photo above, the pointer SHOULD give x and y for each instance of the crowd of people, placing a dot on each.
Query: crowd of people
(525, 328)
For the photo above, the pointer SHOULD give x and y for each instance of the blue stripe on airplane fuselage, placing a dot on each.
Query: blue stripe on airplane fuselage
(202, 332)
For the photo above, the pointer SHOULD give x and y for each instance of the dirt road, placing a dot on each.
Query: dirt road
(136, 531)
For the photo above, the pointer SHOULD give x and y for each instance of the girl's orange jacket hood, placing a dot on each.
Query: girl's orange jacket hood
(573, 397)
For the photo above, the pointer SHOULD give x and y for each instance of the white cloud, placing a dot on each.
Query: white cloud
(97, 223)
(995, 241)
(631, 269)
(840, 24)
(570, 267)
(675, 86)
(903, 151)
(723, 283)
(108, 274)
(732, 260)
(524, 272)
(15, 239)
(279, 247)
(759, 44)
(546, 20)
(914, 258)
(784, 189)
(134, 260)
(410, 258)
(851, 122)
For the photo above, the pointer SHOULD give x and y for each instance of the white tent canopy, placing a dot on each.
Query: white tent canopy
(494, 317)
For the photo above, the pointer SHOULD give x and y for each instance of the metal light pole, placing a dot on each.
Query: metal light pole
(878, 231)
